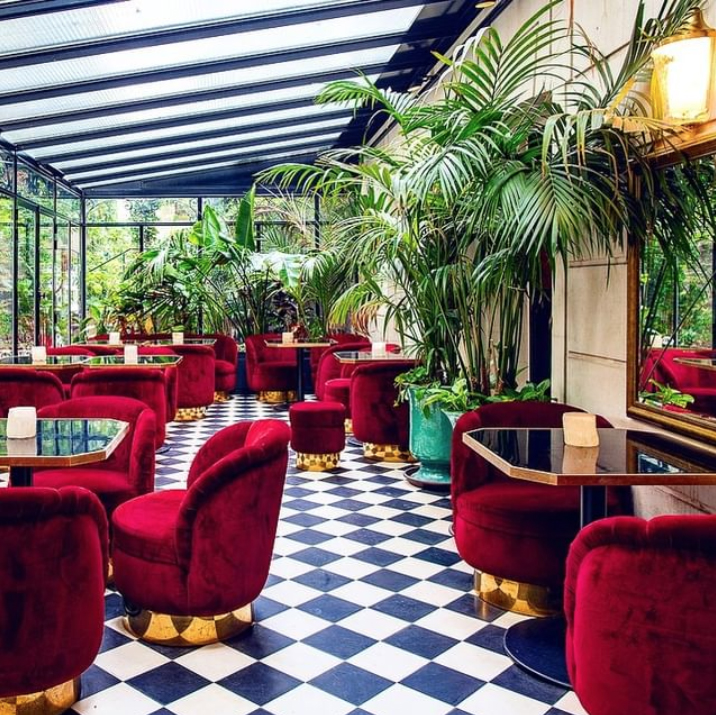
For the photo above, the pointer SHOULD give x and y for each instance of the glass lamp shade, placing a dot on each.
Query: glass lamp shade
(683, 74)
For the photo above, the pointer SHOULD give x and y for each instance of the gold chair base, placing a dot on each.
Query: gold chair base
(222, 396)
(518, 597)
(317, 462)
(188, 630)
(348, 425)
(277, 397)
(386, 452)
(52, 701)
(190, 414)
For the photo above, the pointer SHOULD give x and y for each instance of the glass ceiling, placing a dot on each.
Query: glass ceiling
(136, 89)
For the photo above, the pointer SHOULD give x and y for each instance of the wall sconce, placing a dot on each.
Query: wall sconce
(683, 73)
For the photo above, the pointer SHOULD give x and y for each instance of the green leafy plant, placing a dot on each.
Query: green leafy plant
(664, 395)
(488, 188)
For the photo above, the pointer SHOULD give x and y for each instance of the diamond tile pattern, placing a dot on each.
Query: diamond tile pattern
(368, 610)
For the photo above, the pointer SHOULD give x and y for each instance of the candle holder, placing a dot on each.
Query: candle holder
(377, 349)
(287, 337)
(39, 355)
(131, 354)
(178, 338)
(21, 422)
(580, 429)
(115, 339)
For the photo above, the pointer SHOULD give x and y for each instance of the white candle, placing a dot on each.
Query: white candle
(131, 354)
(178, 338)
(286, 337)
(25, 447)
(21, 422)
(377, 349)
(114, 339)
(580, 429)
(39, 355)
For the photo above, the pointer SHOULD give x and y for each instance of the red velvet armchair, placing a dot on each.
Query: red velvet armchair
(515, 533)
(53, 557)
(343, 341)
(227, 355)
(190, 562)
(197, 379)
(662, 365)
(129, 471)
(140, 383)
(333, 379)
(270, 372)
(378, 422)
(171, 377)
(640, 605)
(22, 387)
(66, 374)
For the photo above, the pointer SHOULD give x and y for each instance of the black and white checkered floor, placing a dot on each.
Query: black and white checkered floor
(368, 609)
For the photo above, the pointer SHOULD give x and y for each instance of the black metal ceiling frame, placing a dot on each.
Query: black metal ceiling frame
(205, 30)
(432, 31)
(297, 134)
(250, 166)
(30, 8)
(404, 61)
(437, 27)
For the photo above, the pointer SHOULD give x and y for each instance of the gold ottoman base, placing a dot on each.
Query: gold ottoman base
(317, 462)
(386, 452)
(190, 414)
(221, 396)
(348, 425)
(52, 701)
(277, 397)
(518, 597)
(188, 630)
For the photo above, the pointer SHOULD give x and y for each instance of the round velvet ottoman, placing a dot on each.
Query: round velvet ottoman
(317, 434)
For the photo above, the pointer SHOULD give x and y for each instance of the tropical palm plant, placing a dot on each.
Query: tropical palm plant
(496, 181)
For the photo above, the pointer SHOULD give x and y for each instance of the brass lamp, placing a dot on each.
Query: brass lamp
(683, 73)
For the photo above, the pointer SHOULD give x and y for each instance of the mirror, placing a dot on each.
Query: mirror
(672, 325)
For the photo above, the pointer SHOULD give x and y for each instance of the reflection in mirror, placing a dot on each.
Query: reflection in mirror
(677, 330)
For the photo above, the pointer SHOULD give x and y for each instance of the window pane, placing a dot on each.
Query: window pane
(6, 245)
(25, 284)
(7, 175)
(46, 278)
(62, 285)
(75, 280)
(68, 204)
(34, 186)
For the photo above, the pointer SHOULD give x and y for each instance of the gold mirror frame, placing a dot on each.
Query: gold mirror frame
(697, 143)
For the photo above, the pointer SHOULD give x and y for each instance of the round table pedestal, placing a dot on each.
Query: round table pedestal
(537, 646)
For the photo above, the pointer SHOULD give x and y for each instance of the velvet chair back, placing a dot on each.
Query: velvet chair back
(139, 383)
(376, 417)
(53, 557)
(640, 602)
(66, 374)
(135, 454)
(171, 377)
(329, 368)
(225, 347)
(233, 507)
(22, 387)
(196, 374)
(257, 352)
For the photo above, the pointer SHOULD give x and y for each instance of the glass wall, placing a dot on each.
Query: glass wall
(40, 280)
(7, 235)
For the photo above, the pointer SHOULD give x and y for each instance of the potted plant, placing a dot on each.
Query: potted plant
(486, 189)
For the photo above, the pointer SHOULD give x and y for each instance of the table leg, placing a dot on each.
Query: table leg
(538, 645)
(300, 353)
(21, 476)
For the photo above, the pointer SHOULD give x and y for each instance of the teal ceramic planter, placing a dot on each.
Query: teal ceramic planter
(430, 438)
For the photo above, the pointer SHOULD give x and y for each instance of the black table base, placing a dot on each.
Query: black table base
(537, 646)
(21, 476)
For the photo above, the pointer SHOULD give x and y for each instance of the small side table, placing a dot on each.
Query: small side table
(625, 458)
(300, 348)
(59, 443)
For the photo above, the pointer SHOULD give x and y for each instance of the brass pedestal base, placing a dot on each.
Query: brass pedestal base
(52, 701)
(221, 396)
(277, 397)
(348, 425)
(188, 630)
(317, 462)
(190, 414)
(386, 452)
(524, 598)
